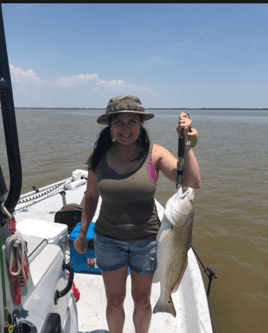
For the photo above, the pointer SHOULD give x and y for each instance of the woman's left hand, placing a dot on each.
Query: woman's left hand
(184, 123)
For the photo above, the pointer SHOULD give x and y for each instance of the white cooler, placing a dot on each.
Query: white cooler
(38, 233)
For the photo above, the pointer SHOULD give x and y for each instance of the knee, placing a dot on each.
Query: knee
(115, 302)
(142, 301)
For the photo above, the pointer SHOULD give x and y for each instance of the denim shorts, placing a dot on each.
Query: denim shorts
(113, 254)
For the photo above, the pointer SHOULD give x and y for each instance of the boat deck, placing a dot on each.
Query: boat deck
(192, 313)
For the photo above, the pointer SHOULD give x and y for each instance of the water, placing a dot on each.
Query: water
(231, 208)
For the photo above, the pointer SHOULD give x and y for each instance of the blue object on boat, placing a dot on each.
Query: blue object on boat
(79, 262)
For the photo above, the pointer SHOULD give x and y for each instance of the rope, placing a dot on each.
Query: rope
(17, 259)
(18, 264)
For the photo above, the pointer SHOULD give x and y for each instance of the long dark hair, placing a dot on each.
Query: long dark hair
(104, 142)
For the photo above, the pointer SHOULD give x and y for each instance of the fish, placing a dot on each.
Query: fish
(173, 242)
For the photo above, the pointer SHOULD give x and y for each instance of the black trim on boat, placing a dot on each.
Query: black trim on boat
(9, 123)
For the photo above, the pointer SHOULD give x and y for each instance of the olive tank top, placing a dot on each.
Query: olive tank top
(128, 210)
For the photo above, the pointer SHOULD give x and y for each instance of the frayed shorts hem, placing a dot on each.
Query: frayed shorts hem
(143, 272)
(113, 268)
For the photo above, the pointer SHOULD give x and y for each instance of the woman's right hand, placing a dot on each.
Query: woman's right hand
(80, 244)
(184, 123)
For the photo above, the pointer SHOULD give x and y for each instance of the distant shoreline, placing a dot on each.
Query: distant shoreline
(146, 108)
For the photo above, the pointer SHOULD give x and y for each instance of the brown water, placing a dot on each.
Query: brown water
(231, 208)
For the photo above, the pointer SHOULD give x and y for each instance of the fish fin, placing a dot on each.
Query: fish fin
(164, 228)
(163, 234)
(176, 285)
(162, 306)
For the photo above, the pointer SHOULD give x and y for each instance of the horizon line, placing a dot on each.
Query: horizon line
(151, 108)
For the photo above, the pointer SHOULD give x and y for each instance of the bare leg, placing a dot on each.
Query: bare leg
(141, 292)
(115, 287)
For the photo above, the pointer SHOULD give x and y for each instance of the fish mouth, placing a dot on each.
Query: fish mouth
(183, 193)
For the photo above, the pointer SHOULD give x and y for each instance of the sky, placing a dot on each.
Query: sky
(169, 55)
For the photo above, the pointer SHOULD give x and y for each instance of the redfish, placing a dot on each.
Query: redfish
(173, 242)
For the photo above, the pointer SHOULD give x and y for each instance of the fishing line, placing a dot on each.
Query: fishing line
(209, 272)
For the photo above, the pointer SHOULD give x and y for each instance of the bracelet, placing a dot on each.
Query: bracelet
(188, 145)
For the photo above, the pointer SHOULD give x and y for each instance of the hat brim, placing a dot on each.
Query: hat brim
(104, 119)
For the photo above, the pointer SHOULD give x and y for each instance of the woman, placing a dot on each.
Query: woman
(123, 169)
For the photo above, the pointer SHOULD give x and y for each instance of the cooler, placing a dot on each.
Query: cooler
(81, 263)
(38, 233)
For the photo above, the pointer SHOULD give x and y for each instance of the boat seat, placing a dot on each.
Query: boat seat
(69, 214)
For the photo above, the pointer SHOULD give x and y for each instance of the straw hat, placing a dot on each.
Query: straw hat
(123, 104)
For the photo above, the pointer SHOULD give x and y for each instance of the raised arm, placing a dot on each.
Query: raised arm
(168, 164)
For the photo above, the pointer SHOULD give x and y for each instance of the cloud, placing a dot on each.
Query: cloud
(91, 81)
(72, 91)
(95, 83)
(69, 81)
(19, 75)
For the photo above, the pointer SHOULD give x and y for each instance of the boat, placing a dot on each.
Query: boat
(48, 302)
(190, 300)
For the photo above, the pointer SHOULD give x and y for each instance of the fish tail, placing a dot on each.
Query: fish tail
(162, 306)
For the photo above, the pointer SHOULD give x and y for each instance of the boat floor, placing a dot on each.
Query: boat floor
(92, 303)
(92, 308)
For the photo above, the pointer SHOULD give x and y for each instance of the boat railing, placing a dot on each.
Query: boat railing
(43, 190)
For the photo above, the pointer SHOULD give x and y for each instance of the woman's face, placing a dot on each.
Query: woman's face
(126, 128)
